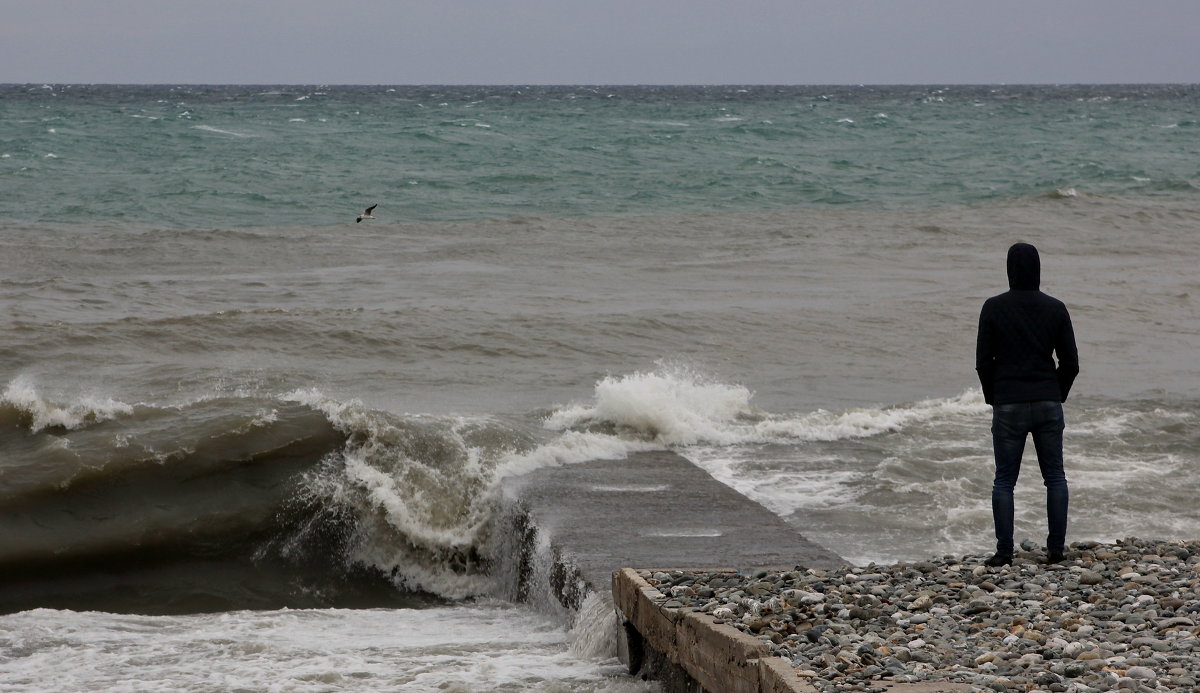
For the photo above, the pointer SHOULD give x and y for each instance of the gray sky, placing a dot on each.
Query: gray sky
(599, 41)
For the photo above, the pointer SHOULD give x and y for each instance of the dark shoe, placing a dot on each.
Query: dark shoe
(998, 560)
(1054, 556)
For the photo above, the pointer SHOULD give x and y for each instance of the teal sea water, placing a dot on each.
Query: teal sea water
(204, 157)
(247, 442)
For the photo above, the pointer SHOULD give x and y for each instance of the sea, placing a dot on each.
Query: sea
(248, 443)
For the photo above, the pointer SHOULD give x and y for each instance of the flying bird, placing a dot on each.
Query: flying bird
(366, 214)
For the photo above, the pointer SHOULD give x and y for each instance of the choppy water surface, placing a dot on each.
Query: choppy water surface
(230, 409)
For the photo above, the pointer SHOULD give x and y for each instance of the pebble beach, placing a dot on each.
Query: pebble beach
(1110, 616)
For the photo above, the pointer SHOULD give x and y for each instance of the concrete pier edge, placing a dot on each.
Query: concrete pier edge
(717, 658)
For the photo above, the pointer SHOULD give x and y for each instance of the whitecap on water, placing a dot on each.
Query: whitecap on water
(23, 394)
(219, 131)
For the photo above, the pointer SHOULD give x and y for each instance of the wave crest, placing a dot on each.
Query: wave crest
(678, 406)
(420, 489)
(673, 405)
(23, 403)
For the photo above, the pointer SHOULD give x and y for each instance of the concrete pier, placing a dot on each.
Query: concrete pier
(651, 510)
(657, 510)
(583, 528)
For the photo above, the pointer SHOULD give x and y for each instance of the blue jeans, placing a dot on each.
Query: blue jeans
(1011, 424)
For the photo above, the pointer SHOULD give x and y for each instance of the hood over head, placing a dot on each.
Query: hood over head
(1024, 268)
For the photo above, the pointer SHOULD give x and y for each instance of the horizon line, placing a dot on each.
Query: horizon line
(36, 83)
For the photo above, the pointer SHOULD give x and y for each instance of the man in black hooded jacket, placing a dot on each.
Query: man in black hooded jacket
(1020, 332)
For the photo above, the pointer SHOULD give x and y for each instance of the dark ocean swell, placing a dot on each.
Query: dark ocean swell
(240, 502)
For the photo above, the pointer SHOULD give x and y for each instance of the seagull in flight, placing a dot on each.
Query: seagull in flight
(367, 214)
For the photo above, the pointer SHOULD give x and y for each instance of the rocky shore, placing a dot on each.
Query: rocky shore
(1109, 617)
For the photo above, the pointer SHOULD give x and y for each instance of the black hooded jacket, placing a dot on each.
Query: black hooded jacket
(1020, 332)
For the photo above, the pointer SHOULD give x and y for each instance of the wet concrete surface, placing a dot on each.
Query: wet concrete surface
(657, 510)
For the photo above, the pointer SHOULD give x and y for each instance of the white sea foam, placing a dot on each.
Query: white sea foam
(23, 394)
(784, 491)
(264, 417)
(1109, 422)
(673, 406)
(866, 422)
(573, 447)
(596, 632)
(219, 131)
(677, 406)
(1119, 475)
(484, 646)
(410, 510)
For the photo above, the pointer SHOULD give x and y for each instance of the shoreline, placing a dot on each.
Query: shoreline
(1110, 616)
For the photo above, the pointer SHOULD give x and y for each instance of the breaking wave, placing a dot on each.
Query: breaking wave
(23, 405)
(679, 406)
(245, 501)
